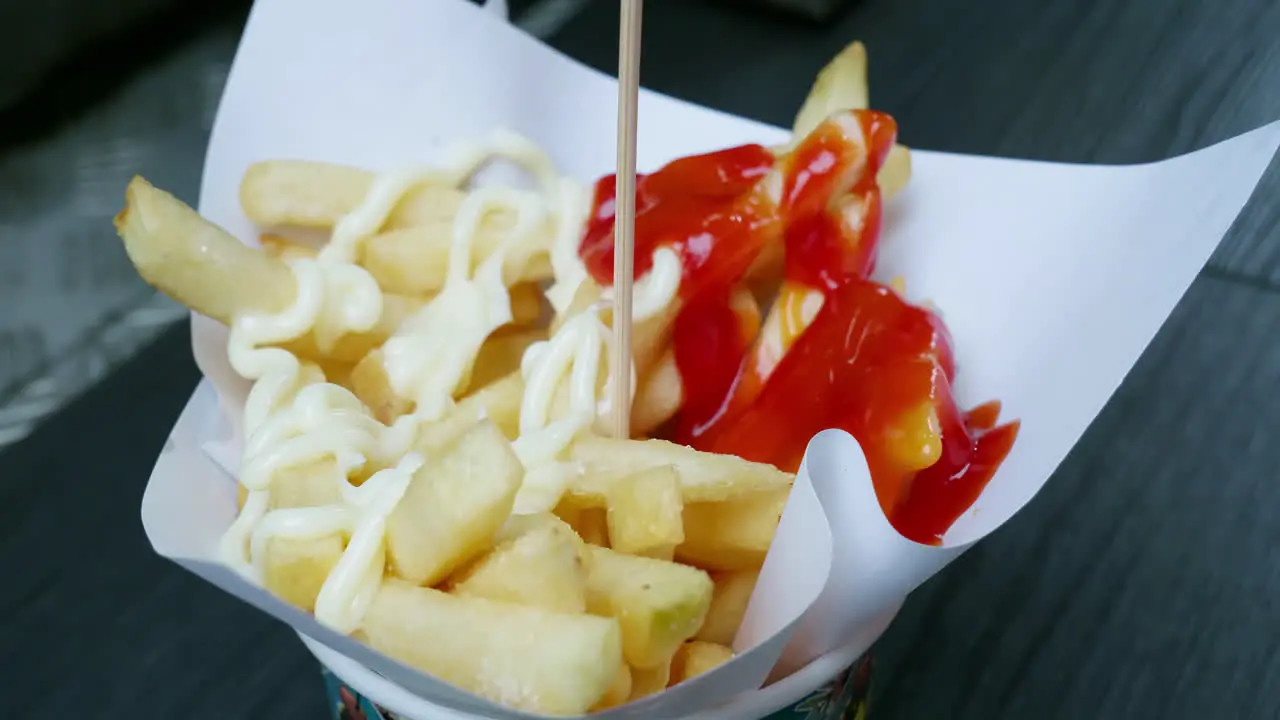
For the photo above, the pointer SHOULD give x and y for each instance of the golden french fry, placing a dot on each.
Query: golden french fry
(415, 260)
(453, 507)
(498, 402)
(659, 396)
(285, 249)
(591, 523)
(728, 605)
(536, 561)
(650, 681)
(314, 484)
(644, 513)
(370, 383)
(704, 477)
(896, 171)
(618, 693)
(658, 604)
(500, 355)
(841, 85)
(196, 262)
(695, 658)
(526, 304)
(300, 193)
(297, 568)
(731, 535)
(523, 657)
(207, 269)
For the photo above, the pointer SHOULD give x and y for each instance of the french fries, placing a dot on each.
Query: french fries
(645, 513)
(523, 657)
(658, 604)
(729, 602)
(454, 506)
(479, 570)
(536, 561)
(695, 658)
(704, 477)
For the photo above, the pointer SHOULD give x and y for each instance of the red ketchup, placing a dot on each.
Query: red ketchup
(865, 360)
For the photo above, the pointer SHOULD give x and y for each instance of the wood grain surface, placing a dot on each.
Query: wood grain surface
(1140, 583)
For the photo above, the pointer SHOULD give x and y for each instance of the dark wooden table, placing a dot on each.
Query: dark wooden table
(1139, 583)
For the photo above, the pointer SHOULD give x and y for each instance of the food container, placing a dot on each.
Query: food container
(1052, 278)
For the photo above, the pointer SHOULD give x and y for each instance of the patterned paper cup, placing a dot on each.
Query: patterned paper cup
(833, 687)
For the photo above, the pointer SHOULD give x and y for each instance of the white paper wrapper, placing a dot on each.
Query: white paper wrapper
(1052, 278)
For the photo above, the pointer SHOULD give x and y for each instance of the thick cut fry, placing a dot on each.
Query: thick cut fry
(658, 604)
(536, 562)
(650, 681)
(521, 657)
(498, 402)
(659, 396)
(454, 505)
(500, 356)
(296, 569)
(618, 693)
(841, 85)
(283, 248)
(298, 193)
(370, 383)
(704, 477)
(207, 269)
(196, 262)
(415, 260)
(731, 535)
(728, 605)
(314, 484)
(591, 524)
(644, 513)
(695, 658)
(526, 304)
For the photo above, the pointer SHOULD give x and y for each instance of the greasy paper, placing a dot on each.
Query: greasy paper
(1051, 277)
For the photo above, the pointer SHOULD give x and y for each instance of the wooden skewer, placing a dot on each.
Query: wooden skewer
(624, 224)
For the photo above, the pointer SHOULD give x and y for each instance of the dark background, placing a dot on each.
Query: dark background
(1140, 583)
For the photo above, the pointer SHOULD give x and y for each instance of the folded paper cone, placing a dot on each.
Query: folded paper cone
(1052, 278)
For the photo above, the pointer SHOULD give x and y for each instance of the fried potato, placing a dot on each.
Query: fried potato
(314, 484)
(498, 402)
(536, 562)
(591, 524)
(454, 505)
(731, 535)
(704, 477)
(526, 304)
(658, 604)
(299, 193)
(728, 605)
(297, 568)
(842, 85)
(500, 355)
(644, 513)
(207, 269)
(695, 658)
(370, 383)
(197, 263)
(618, 693)
(285, 249)
(521, 657)
(658, 397)
(650, 681)
(415, 260)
